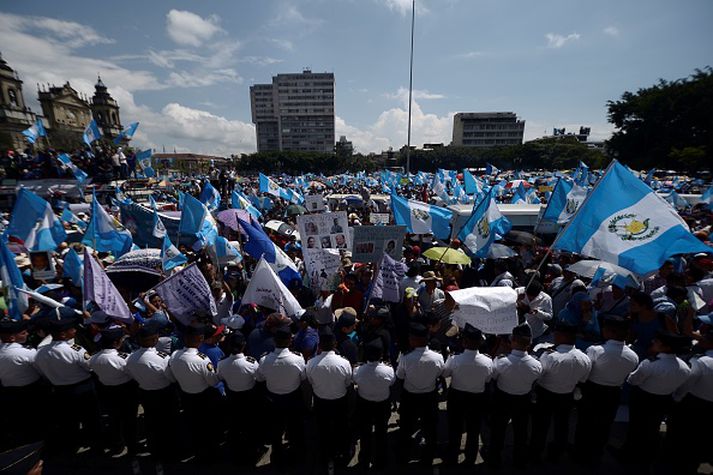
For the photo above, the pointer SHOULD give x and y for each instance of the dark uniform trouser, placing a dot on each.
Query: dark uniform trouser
(22, 420)
(373, 416)
(121, 404)
(507, 407)
(244, 432)
(333, 433)
(415, 406)
(465, 410)
(76, 412)
(199, 410)
(287, 411)
(646, 411)
(551, 407)
(687, 434)
(161, 417)
(595, 416)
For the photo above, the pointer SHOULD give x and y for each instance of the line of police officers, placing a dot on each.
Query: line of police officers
(189, 403)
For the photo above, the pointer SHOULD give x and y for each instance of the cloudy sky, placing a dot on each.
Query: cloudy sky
(183, 69)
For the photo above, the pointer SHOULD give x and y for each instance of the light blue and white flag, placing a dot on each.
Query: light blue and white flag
(226, 252)
(421, 218)
(566, 199)
(197, 221)
(121, 196)
(35, 131)
(11, 281)
(267, 185)
(491, 169)
(649, 176)
(260, 245)
(677, 201)
(144, 160)
(707, 197)
(34, 222)
(73, 267)
(581, 175)
(625, 222)
(472, 185)
(66, 161)
(238, 201)
(71, 218)
(170, 255)
(485, 225)
(103, 235)
(159, 230)
(91, 133)
(209, 196)
(127, 133)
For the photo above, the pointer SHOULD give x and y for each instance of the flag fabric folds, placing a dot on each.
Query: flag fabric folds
(127, 133)
(35, 131)
(159, 230)
(144, 160)
(34, 222)
(267, 290)
(226, 252)
(68, 217)
(100, 290)
(260, 245)
(484, 225)
(73, 267)
(66, 161)
(91, 133)
(238, 201)
(197, 221)
(170, 255)
(421, 218)
(209, 196)
(11, 281)
(387, 284)
(103, 235)
(625, 222)
(566, 199)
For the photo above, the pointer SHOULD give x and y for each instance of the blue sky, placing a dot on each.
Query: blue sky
(183, 69)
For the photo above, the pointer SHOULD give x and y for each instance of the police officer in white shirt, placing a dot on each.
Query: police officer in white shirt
(66, 366)
(117, 390)
(196, 378)
(20, 385)
(419, 370)
(374, 380)
(612, 362)
(515, 374)
(283, 372)
(157, 393)
(330, 376)
(470, 371)
(239, 371)
(562, 369)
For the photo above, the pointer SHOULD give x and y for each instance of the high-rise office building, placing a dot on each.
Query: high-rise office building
(487, 129)
(295, 112)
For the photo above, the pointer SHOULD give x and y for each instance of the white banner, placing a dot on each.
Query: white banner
(100, 290)
(186, 292)
(315, 203)
(322, 266)
(387, 285)
(267, 290)
(492, 310)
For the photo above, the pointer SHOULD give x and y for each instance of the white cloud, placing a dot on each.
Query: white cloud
(259, 60)
(74, 34)
(555, 40)
(403, 7)
(290, 15)
(469, 55)
(187, 28)
(402, 95)
(193, 79)
(286, 45)
(611, 31)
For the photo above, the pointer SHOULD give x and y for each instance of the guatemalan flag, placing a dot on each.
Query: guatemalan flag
(35, 131)
(197, 221)
(260, 245)
(226, 252)
(144, 161)
(566, 199)
(34, 222)
(209, 196)
(103, 235)
(91, 133)
(11, 278)
(170, 255)
(624, 222)
(66, 161)
(485, 224)
(238, 201)
(421, 218)
(126, 133)
(471, 183)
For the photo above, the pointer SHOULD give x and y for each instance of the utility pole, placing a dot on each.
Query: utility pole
(410, 91)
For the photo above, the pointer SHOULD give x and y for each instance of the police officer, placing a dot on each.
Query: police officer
(21, 388)
(117, 390)
(157, 394)
(470, 371)
(196, 378)
(418, 371)
(283, 372)
(374, 380)
(562, 369)
(515, 374)
(238, 371)
(612, 362)
(66, 366)
(330, 376)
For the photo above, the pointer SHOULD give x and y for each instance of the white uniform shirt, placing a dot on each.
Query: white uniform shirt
(563, 368)
(611, 363)
(17, 365)
(149, 367)
(63, 364)
(110, 366)
(238, 372)
(469, 371)
(540, 311)
(374, 380)
(330, 375)
(700, 382)
(662, 376)
(420, 368)
(193, 370)
(282, 370)
(516, 372)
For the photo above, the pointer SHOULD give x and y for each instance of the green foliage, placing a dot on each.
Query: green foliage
(668, 125)
(303, 162)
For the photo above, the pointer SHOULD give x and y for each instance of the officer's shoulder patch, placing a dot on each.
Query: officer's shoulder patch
(250, 359)
(296, 352)
(123, 355)
(76, 347)
(162, 354)
(202, 355)
(87, 356)
(210, 367)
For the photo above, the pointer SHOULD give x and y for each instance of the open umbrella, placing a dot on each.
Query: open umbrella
(294, 210)
(587, 268)
(229, 217)
(522, 237)
(516, 183)
(447, 255)
(500, 251)
(281, 228)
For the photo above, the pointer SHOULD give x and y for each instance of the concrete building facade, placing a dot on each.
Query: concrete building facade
(294, 113)
(15, 116)
(487, 129)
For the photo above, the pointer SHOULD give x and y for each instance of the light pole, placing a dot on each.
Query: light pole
(410, 91)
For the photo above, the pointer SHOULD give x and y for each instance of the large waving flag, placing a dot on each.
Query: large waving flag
(66, 161)
(491, 169)
(421, 218)
(226, 252)
(566, 199)
(484, 225)
(581, 176)
(127, 133)
(238, 201)
(170, 255)
(91, 133)
(266, 290)
(144, 160)
(209, 196)
(197, 221)
(159, 230)
(625, 222)
(472, 186)
(34, 222)
(11, 281)
(267, 185)
(260, 245)
(103, 235)
(35, 131)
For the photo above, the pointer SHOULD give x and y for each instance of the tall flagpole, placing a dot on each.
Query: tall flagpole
(410, 91)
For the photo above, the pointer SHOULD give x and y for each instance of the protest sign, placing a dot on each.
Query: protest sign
(324, 231)
(322, 266)
(315, 203)
(371, 242)
(267, 290)
(492, 310)
(185, 293)
(42, 265)
(387, 285)
(379, 218)
(100, 290)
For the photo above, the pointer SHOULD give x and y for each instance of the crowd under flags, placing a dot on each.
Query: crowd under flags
(565, 200)
(34, 222)
(127, 133)
(91, 133)
(66, 161)
(267, 290)
(421, 218)
(267, 185)
(625, 222)
(171, 257)
(484, 226)
(260, 245)
(103, 235)
(11, 278)
(35, 131)
(99, 290)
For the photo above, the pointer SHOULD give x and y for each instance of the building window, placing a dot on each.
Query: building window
(12, 96)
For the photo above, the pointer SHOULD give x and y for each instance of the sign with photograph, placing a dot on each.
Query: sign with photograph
(322, 266)
(324, 231)
(42, 265)
(379, 218)
(372, 242)
(315, 203)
